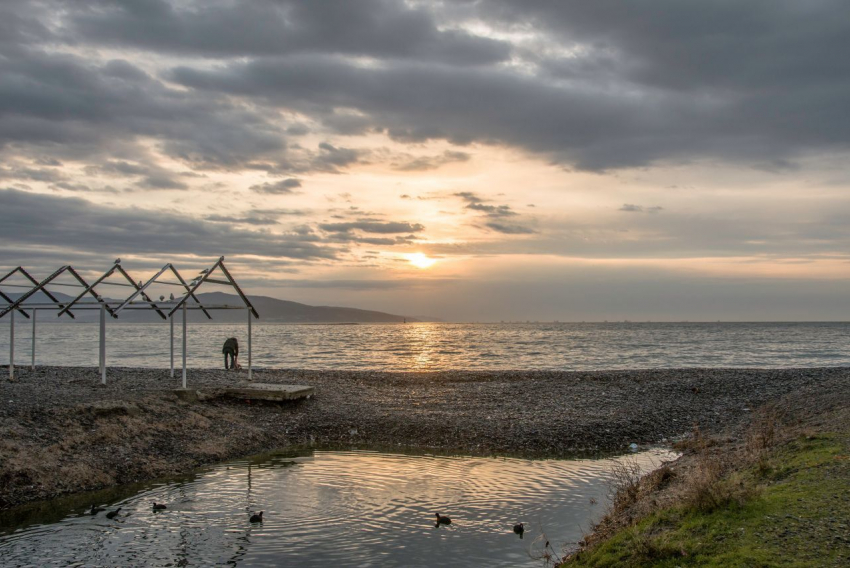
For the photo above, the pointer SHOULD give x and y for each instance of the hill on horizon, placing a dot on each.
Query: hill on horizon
(271, 310)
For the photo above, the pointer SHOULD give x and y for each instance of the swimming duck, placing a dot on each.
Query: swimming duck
(257, 517)
(443, 520)
(519, 528)
(113, 514)
(96, 510)
(159, 506)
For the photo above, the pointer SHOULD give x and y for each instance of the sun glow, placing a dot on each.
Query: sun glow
(419, 260)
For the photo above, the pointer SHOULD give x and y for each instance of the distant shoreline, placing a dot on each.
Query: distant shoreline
(62, 432)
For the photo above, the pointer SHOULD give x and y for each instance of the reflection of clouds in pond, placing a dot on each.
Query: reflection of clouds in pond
(339, 508)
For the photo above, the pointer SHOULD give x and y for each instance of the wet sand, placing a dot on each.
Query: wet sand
(61, 431)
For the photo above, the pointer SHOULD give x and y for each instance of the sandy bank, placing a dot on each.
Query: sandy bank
(61, 431)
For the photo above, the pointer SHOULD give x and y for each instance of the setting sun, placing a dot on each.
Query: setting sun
(419, 260)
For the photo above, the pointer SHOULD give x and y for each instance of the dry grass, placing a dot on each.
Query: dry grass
(708, 480)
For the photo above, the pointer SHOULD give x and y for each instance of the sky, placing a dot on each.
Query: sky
(466, 160)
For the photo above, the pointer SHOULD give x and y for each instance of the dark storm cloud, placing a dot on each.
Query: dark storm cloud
(282, 187)
(643, 83)
(638, 83)
(373, 227)
(77, 223)
(229, 28)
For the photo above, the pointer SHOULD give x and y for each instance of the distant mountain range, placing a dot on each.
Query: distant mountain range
(271, 310)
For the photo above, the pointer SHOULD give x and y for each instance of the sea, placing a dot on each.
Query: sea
(440, 346)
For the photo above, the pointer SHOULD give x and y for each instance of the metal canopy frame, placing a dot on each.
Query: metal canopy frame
(115, 307)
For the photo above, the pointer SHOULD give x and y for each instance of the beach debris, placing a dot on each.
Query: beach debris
(633, 447)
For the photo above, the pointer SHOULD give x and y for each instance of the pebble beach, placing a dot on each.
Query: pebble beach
(61, 431)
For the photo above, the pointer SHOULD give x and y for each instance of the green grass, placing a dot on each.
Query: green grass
(796, 513)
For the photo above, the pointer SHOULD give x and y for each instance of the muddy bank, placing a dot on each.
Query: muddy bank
(61, 431)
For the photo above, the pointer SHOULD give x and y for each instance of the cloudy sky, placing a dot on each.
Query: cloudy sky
(562, 160)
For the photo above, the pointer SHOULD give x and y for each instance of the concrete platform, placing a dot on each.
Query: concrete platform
(248, 391)
(266, 391)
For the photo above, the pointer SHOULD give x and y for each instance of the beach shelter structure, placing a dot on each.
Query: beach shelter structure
(28, 304)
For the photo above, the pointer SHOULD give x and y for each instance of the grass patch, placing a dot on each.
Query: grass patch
(789, 505)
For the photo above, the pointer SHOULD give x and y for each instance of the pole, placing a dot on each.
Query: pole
(33, 338)
(102, 344)
(250, 371)
(184, 345)
(12, 346)
(171, 323)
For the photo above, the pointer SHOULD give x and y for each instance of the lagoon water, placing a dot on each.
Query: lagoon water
(327, 508)
(446, 346)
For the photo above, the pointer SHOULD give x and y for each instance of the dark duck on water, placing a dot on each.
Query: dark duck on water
(159, 506)
(96, 510)
(257, 517)
(519, 528)
(113, 514)
(442, 520)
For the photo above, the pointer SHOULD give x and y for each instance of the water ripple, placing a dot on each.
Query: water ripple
(333, 508)
(440, 346)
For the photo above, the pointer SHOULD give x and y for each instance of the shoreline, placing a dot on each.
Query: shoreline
(62, 432)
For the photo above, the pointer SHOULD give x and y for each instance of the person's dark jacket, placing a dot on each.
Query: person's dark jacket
(231, 345)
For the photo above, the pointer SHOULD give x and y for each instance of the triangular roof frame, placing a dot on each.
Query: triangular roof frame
(203, 277)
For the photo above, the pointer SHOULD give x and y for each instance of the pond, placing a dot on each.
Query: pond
(326, 508)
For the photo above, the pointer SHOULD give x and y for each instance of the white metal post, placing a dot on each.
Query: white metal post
(12, 345)
(250, 371)
(102, 344)
(184, 345)
(171, 323)
(34, 311)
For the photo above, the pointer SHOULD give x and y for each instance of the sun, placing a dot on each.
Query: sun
(419, 260)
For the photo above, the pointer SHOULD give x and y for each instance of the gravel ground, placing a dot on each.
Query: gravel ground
(61, 431)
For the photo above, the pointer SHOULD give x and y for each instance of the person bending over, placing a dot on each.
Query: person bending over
(231, 348)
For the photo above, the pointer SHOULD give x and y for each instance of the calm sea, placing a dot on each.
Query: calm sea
(440, 346)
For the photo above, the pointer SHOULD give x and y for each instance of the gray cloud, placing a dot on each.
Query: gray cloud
(632, 208)
(509, 229)
(619, 99)
(227, 28)
(373, 227)
(425, 163)
(476, 203)
(244, 220)
(330, 158)
(496, 214)
(70, 222)
(282, 187)
(641, 83)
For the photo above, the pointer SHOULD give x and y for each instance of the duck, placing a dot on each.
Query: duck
(159, 506)
(113, 514)
(519, 528)
(96, 510)
(442, 519)
(257, 517)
